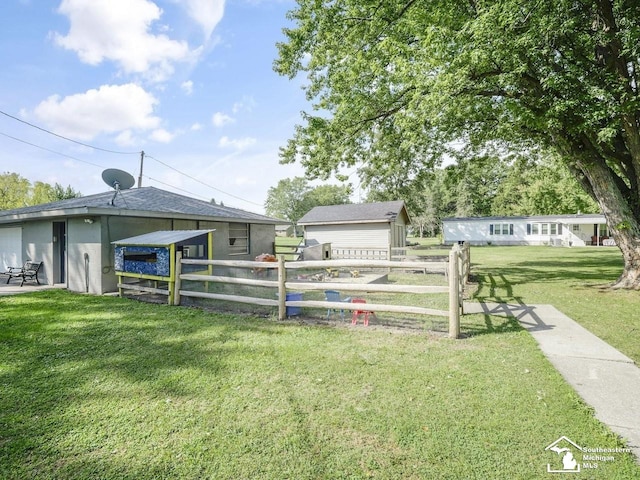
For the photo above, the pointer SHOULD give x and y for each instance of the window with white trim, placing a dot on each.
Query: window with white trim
(544, 229)
(501, 229)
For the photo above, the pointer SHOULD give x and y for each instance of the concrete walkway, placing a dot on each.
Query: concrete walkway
(606, 379)
(13, 288)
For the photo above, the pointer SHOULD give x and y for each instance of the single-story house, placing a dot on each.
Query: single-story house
(74, 237)
(566, 230)
(358, 230)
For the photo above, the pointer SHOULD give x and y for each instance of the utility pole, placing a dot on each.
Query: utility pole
(141, 164)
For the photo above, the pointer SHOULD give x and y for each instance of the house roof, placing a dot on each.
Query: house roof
(584, 218)
(162, 237)
(355, 213)
(145, 201)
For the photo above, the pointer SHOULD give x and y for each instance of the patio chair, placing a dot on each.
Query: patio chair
(357, 313)
(28, 272)
(334, 296)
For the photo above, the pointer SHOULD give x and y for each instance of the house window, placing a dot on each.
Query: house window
(238, 238)
(501, 229)
(544, 229)
(575, 228)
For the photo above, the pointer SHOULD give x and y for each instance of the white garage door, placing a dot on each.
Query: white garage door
(10, 248)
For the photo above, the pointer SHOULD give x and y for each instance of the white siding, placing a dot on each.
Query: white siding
(10, 248)
(478, 231)
(367, 235)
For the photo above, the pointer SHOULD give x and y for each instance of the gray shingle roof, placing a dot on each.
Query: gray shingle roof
(145, 199)
(354, 212)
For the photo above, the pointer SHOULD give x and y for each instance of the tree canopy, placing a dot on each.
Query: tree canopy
(401, 81)
(17, 191)
(293, 197)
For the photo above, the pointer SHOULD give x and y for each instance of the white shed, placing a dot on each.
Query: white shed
(359, 230)
(566, 230)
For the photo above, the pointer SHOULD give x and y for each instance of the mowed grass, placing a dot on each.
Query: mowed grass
(574, 280)
(110, 388)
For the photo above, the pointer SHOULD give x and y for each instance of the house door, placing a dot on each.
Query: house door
(59, 252)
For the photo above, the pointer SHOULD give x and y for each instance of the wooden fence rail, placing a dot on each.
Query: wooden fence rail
(455, 268)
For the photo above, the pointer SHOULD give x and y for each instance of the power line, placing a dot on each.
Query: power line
(49, 150)
(66, 138)
(174, 187)
(203, 183)
(117, 153)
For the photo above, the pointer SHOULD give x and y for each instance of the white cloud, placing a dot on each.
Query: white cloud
(119, 30)
(238, 143)
(187, 87)
(220, 119)
(161, 135)
(206, 13)
(109, 109)
(246, 104)
(126, 139)
(196, 127)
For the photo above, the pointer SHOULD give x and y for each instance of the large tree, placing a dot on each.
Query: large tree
(293, 197)
(559, 75)
(16, 191)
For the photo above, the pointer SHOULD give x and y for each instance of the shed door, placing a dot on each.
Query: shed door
(10, 247)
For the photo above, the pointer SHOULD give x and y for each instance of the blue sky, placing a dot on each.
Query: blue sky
(190, 82)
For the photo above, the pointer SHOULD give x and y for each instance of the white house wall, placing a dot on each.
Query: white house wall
(84, 256)
(37, 246)
(478, 232)
(368, 235)
(10, 247)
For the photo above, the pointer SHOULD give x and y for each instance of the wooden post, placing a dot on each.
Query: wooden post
(177, 283)
(454, 293)
(282, 291)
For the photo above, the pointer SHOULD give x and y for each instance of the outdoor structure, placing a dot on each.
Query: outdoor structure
(558, 230)
(359, 230)
(74, 237)
(152, 257)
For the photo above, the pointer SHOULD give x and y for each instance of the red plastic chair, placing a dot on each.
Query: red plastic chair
(357, 313)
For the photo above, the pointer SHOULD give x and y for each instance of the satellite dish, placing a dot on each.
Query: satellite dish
(118, 180)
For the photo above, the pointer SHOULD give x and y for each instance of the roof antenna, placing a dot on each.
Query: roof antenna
(118, 180)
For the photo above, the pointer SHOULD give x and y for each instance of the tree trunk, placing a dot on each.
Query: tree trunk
(630, 247)
(622, 223)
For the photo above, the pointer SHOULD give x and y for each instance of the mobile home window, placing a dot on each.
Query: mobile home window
(238, 238)
(501, 229)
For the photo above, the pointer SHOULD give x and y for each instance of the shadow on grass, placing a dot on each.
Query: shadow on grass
(61, 354)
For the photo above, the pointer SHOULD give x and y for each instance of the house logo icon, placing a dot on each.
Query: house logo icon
(564, 448)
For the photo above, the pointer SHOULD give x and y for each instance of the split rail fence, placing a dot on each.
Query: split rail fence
(456, 268)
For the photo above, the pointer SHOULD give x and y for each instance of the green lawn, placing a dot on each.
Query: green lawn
(571, 280)
(110, 388)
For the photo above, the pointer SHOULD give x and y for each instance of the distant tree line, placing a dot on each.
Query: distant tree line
(293, 197)
(17, 191)
(469, 187)
(483, 186)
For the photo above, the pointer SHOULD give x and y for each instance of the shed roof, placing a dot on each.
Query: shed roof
(354, 213)
(145, 201)
(162, 237)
